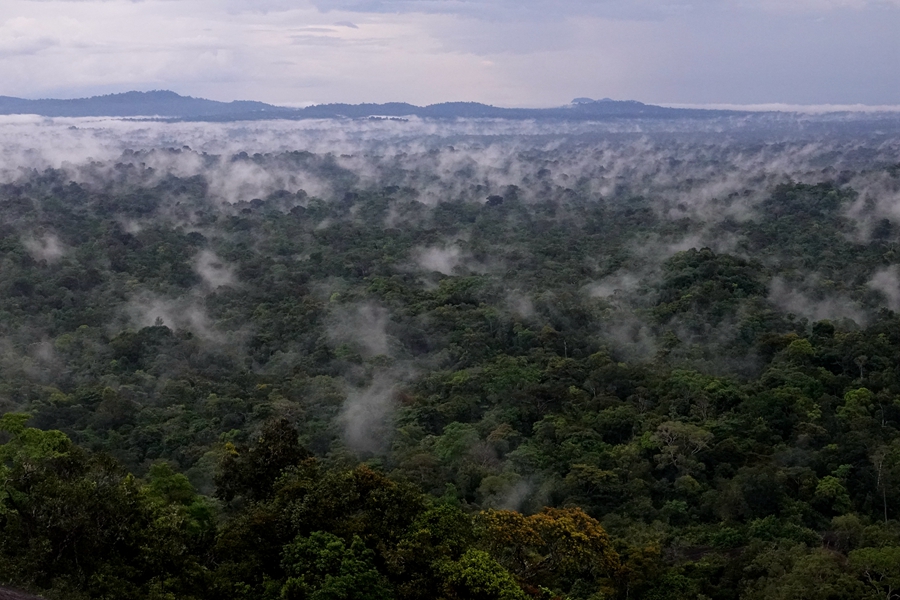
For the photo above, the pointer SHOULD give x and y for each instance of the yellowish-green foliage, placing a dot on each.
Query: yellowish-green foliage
(553, 542)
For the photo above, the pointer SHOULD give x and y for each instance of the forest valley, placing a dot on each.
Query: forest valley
(574, 369)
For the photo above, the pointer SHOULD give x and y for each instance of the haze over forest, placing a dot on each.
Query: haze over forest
(604, 350)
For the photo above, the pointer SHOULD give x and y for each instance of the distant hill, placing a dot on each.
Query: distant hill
(169, 105)
(160, 103)
(580, 109)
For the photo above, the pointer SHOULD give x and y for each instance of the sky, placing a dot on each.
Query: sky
(505, 52)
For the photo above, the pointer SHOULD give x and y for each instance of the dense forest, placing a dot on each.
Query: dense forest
(584, 367)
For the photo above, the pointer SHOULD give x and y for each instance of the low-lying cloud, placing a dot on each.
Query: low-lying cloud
(363, 326)
(45, 247)
(835, 306)
(441, 260)
(887, 281)
(213, 270)
(367, 415)
(185, 313)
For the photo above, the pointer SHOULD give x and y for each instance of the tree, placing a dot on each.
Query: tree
(438, 536)
(477, 576)
(251, 471)
(791, 572)
(679, 443)
(880, 569)
(75, 522)
(322, 567)
(554, 543)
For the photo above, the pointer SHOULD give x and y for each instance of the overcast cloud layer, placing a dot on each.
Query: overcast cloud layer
(505, 52)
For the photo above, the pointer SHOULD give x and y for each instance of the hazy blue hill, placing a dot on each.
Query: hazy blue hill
(582, 110)
(356, 111)
(161, 103)
(169, 105)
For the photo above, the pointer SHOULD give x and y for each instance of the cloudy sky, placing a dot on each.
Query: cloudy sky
(505, 52)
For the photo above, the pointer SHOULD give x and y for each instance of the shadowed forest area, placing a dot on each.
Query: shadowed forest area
(460, 368)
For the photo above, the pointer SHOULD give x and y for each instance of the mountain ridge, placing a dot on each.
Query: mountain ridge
(162, 103)
(169, 105)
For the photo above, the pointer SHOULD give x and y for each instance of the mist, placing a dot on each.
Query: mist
(367, 413)
(362, 326)
(46, 247)
(558, 232)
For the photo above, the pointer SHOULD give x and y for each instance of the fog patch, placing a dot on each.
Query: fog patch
(214, 272)
(46, 247)
(630, 336)
(515, 497)
(651, 250)
(33, 356)
(520, 304)
(613, 285)
(788, 297)
(234, 181)
(184, 313)
(44, 352)
(363, 326)
(887, 281)
(42, 362)
(441, 260)
(130, 225)
(877, 200)
(366, 417)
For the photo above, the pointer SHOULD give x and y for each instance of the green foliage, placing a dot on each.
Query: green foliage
(75, 524)
(251, 471)
(477, 576)
(796, 573)
(880, 568)
(663, 424)
(322, 567)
